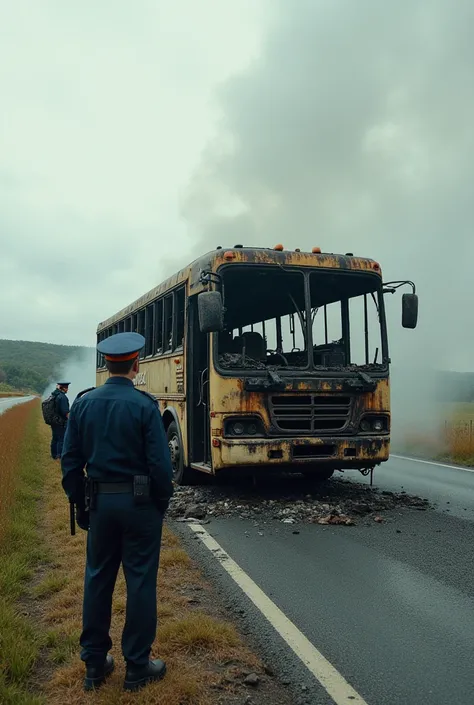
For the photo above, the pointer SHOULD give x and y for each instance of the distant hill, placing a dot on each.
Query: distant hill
(29, 366)
(455, 386)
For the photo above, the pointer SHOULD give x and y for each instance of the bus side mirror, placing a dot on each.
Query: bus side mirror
(211, 312)
(409, 310)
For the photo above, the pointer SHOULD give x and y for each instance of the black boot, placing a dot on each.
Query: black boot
(138, 676)
(96, 675)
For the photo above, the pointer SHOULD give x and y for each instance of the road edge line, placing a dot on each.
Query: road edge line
(325, 673)
(431, 462)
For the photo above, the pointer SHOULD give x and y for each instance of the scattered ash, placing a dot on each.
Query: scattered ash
(291, 500)
(231, 360)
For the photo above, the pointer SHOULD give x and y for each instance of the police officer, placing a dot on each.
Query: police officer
(116, 432)
(58, 428)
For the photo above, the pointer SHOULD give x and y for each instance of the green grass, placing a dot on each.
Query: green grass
(62, 644)
(50, 585)
(20, 552)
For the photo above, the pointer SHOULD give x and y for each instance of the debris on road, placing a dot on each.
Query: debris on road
(290, 500)
(252, 679)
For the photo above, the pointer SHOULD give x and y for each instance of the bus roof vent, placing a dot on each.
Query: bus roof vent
(238, 247)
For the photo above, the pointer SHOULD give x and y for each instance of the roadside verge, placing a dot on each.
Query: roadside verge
(208, 660)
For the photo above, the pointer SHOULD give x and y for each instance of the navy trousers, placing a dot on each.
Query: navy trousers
(121, 533)
(57, 440)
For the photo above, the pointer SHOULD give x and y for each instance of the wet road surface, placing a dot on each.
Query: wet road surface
(8, 402)
(390, 606)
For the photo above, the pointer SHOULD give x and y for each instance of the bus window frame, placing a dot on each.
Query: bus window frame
(130, 323)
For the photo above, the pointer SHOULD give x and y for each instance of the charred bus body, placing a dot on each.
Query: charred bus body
(267, 358)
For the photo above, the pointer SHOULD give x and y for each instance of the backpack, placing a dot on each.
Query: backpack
(50, 415)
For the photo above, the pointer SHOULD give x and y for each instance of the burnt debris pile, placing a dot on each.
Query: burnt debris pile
(291, 501)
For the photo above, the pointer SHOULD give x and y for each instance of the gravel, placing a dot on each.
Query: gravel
(291, 500)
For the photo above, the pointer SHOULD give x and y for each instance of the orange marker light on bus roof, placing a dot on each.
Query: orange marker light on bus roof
(229, 255)
(316, 250)
(279, 248)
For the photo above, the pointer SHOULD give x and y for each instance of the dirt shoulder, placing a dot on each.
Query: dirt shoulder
(209, 661)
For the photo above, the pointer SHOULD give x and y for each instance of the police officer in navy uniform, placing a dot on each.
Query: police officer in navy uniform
(58, 428)
(116, 433)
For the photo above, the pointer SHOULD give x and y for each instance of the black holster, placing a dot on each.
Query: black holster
(89, 494)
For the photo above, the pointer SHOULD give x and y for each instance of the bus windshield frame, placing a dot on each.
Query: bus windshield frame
(257, 295)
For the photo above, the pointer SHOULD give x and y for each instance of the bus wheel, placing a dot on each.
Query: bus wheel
(181, 475)
(319, 475)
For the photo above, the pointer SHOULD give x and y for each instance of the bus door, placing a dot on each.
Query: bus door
(198, 401)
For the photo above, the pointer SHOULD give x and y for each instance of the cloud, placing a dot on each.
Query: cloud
(104, 113)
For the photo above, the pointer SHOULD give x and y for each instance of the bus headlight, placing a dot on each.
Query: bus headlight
(250, 427)
(374, 424)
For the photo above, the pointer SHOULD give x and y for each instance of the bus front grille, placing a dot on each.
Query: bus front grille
(310, 413)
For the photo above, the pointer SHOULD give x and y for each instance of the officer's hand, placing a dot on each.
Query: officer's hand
(82, 518)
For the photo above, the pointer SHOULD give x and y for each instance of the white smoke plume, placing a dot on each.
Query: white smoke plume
(354, 131)
(78, 370)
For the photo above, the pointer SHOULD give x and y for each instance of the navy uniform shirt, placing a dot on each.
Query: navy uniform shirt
(62, 403)
(116, 432)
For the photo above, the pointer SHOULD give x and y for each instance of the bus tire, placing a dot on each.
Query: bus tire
(181, 474)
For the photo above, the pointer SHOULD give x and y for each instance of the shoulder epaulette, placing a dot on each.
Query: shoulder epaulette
(84, 391)
(147, 394)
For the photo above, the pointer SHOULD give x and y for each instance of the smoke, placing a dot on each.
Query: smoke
(78, 370)
(353, 131)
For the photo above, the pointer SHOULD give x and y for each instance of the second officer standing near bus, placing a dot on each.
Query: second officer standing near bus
(116, 433)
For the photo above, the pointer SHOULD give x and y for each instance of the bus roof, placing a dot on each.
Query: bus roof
(243, 255)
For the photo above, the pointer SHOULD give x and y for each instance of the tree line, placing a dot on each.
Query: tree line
(29, 366)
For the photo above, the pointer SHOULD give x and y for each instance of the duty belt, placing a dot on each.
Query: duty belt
(111, 487)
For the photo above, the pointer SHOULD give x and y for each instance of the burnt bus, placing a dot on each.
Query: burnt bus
(269, 359)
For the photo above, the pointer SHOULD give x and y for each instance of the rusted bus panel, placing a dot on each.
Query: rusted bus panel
(297, 259)
(376, 401)
(213, 260)
(287, 258)
(162, 376)
(254, 452)
(174, 281)
(228, 395)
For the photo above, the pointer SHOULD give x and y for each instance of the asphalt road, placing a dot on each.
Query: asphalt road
(7, 402)
(450, 488)
(390, 606)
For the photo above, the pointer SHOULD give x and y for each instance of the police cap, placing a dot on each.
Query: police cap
(63, 384)
(121, 346)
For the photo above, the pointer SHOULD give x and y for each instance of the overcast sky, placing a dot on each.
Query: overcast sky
(135, 138)
(105, 108)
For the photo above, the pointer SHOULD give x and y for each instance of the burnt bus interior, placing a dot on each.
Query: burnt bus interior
(294, 320)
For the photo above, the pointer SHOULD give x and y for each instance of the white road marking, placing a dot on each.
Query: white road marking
(432, 462)
(331, 680)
